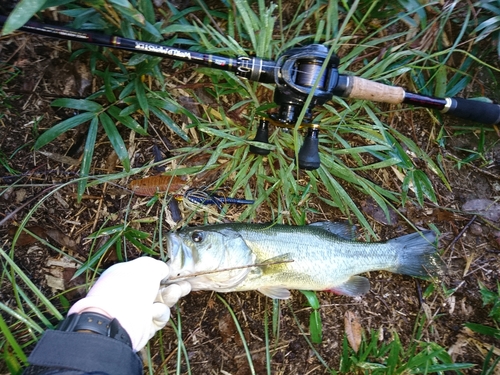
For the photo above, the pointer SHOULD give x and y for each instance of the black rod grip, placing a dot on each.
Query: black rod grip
(262, 136)
(473, 110)
(309, 152)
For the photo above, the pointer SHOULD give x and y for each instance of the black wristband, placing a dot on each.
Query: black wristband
(97, 323)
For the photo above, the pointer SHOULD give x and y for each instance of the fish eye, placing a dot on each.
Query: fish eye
(197, 236)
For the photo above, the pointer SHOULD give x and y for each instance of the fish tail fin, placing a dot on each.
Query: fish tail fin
(417, 255)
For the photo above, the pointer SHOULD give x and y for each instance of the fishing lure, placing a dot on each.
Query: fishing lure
(207, 197)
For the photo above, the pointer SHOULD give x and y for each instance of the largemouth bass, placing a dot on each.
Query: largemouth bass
(276, 258)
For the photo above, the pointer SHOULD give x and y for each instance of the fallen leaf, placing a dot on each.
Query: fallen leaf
(111, 162)
(372, 209)
(59, 277)
(150, 186)
(20, 195)
(353, 330)
(55, 234)
(227, 327)
(457, 349)
(61, 238)
(63, 159)
(496, 236)
(443, 215)
(26, 238)
(211, 304)
(56, 283)
(483, 207)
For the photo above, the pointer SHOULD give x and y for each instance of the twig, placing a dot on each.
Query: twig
(477, 169)
(256, 351)
(460, 234)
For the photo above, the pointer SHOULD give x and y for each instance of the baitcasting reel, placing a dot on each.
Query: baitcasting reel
(297, 75)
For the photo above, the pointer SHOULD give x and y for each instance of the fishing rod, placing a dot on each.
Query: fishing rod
(298, 73)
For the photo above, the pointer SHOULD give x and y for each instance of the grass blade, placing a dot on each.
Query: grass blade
(116, 140)
(70, 123)
(88, 152)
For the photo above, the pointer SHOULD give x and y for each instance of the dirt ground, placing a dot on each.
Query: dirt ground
(470, 243)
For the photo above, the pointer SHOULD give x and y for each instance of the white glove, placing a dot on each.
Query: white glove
(130, 292)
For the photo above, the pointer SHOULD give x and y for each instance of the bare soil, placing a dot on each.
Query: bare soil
(470, 243)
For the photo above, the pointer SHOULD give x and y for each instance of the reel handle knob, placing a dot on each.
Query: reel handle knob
(262, 136)
(309, 152)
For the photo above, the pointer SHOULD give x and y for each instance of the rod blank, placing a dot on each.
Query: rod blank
(253, 68)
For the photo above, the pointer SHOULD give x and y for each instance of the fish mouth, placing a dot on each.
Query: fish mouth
(173, 246)
(180, 256)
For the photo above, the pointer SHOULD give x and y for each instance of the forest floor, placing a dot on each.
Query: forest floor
(470, 242)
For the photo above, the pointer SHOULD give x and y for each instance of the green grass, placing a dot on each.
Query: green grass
(374, 40)
(488, 24)
(491, 299)
(419, 357)
(381, 356)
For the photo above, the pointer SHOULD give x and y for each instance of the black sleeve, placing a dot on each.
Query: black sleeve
(78, 353)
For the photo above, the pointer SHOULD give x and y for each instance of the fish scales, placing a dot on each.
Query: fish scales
(306, 247)
(274, 259)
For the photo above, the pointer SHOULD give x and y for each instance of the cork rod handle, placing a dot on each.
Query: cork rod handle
(378, 92)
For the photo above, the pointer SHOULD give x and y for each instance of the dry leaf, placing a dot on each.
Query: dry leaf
(61, 200)
(372, 209)
(20, 195)
(353, 330)
(55, 283)
(457, 349)
(59, 277)
(427, 311)
(149, 186)
(63, 159)
(61, 238)
(227, 327)
(111, 162)
(55, 234)
(444, 215)
(210, 303)
(483, 207)
(25, 238)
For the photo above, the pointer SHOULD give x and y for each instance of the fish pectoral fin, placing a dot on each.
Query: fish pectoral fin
(277, 260)
(275, 292)
(343, 230)
(354, 287)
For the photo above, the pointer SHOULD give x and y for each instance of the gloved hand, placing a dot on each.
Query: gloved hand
(130, 292)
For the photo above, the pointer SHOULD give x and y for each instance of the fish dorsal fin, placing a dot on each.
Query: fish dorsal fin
(355, 286)
(275, 292)
(343, 230)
